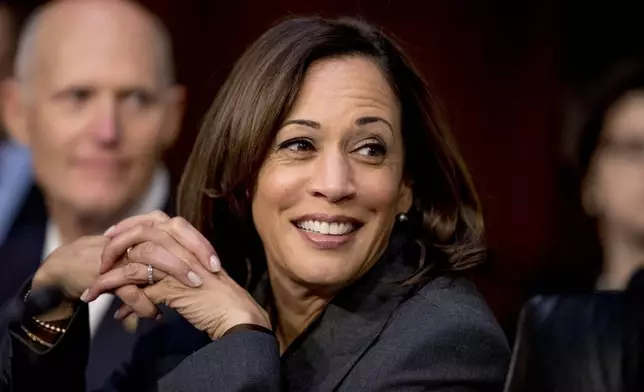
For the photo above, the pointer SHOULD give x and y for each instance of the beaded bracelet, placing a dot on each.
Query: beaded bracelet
(36, 338)
(48, 326)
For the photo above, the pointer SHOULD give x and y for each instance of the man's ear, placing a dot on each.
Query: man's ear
(174, 118)
(13, 111)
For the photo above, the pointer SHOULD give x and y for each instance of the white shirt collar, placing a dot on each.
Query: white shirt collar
(154, 199)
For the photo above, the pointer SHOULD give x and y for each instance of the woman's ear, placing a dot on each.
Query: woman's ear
(405, 197)
(589, 200)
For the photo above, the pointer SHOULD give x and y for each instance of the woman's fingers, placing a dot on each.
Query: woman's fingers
(129, 274)
(149, 245)
(178, 227)
(191, 243)
(136, 300)
(145, 219)
(191, 239)
(156, 293)
(126, 224)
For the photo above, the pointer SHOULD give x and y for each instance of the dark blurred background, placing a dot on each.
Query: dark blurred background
(504, 71)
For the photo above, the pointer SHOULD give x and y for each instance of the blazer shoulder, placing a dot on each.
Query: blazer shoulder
(449, 306)
(443, 336)
(457, 297)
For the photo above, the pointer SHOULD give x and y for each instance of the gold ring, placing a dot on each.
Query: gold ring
(127, 254)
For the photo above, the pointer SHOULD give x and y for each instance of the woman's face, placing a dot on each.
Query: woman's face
(332, 183)
(615, 185)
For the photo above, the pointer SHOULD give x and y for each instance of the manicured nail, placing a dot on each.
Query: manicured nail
(108, 231)
(215, 264)
(85, 295)
(131, 322)
(196, 280)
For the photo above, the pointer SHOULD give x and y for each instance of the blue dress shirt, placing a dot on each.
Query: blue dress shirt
(15, 182)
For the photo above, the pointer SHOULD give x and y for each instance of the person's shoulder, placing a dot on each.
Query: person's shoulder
(445, 334)
(455, 299)
(452, 309)
(449, 311)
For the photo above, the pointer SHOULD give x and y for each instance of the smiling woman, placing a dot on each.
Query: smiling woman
(324, 182)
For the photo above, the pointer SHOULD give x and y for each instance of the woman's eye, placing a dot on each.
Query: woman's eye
(297, 145)
(372, 150)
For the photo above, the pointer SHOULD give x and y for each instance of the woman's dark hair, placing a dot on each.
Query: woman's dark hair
(216, 190)
(585, 138)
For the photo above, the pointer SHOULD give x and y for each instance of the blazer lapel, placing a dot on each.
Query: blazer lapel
(325, 354)
(21, 252)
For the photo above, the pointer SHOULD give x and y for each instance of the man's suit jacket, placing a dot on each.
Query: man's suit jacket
(20, 257)
(377, 335)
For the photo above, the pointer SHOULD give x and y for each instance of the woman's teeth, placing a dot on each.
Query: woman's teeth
(328, 228)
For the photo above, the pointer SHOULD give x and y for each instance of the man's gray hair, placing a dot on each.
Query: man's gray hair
(24, 61)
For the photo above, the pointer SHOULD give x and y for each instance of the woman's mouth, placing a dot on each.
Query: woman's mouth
(326, 228)
(327, 232)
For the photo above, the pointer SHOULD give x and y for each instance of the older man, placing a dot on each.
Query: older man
(94, 99)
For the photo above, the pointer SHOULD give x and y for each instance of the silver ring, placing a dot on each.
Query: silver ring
(150, 274)
(127, 254)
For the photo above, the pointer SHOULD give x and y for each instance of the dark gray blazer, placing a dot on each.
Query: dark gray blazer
(377, 335)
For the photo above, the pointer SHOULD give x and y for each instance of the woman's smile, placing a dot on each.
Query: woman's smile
(327, 232)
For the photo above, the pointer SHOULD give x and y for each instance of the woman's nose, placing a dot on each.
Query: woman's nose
(333, 177)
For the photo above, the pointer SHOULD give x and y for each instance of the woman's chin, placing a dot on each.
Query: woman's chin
(328, 276)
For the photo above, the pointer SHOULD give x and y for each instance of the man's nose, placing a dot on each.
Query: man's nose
(106, 127)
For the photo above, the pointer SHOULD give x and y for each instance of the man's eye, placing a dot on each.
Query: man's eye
(79, 95)
(138, 99)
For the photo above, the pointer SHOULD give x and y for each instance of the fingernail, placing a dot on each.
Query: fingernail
(108, 231)
(215, 264)
(117, 314)
(131, 322)
(196, 280)
(85, 295)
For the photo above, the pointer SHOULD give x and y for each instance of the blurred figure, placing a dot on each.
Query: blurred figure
(602, 188)
(581, 343)
(94, 99)
(15, 167)
(610, 166)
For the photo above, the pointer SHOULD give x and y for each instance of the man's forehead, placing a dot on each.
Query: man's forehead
(97, 48)
(99, 60)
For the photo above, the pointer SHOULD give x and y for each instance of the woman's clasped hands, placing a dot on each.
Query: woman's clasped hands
(154, 259)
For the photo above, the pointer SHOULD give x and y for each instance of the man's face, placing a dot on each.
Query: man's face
(97, 115)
